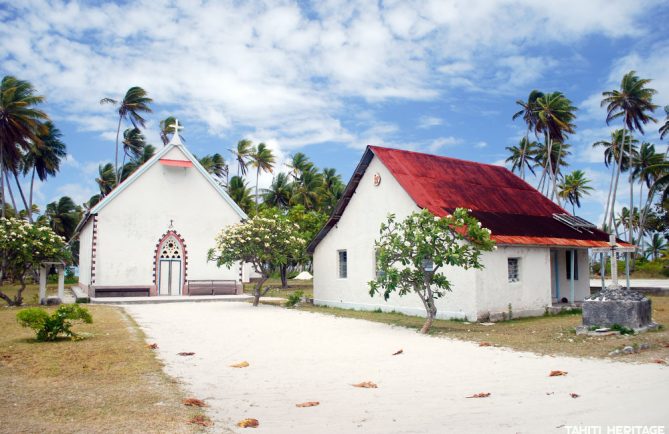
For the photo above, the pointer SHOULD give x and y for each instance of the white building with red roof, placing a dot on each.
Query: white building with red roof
(539, 243)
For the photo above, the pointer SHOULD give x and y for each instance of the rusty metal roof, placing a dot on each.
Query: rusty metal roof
(514, 211)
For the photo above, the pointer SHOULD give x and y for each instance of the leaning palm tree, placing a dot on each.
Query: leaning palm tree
(133, 144)
(299, 164)
(615, 151)
(147, 152)
(63, 216)
(656, 244)
(522, 156)
(306, 192)
(555, 116)
(645, 159)
(215, 165)
(131, 107)
(20, 124)
(573, 187)
(240, 192)
(166, 128)
(633, 102)
(332, 190)
(263, 159)
(242, 154)
(106, 178)
(279, 192)
(664, 129)
(529, 114)
(557, 161)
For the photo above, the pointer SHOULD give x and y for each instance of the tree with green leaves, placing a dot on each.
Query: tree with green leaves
(106, 179)
(331, 191)
(646, 159)
(522, 156)
(299, 164)
(413, 253)
(265, 242)
(261, 158)
(306, 191)
(555, 115)
(633, 103)
(133, 144)
(23, 248)
(240, 192)
(656, 245)
(279, 192)
(242, 155)
(529, 113)
(135, 103)
(44, 157)
(63, 216)
(664, 129)
(20, 124)
(167, 128)
(573, 187)
(216, 166)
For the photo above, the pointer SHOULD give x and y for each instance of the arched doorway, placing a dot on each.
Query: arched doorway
(170, 272)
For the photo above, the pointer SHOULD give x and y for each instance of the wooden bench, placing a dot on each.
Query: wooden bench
(213, 287)
(121, 291)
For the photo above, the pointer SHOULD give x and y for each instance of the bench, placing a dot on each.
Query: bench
(213, 287)
(121, 291)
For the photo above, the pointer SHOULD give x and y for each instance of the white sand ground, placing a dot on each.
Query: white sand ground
(299, 356)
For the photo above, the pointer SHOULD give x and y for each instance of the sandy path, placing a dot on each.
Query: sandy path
(300, 356)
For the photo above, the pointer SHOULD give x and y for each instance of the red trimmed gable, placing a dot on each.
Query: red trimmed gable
(513, 210)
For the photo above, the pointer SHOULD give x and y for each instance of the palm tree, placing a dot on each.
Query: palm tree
(645, 159)
(331, 190)
(664, 129)
(106, 178)
(656, 244)
(167, 127)
(632, 102)
(262, 158)
(215, 165)
(613, 156)
(573, 187)
(147, 151)
(299, 164)
(239, 191)
(64, 216)
(242, 154)
(279, 192)
(529, 114)
(43, 158)
(20, 123)
(134, 103)
(555, 115)
(557, 161)
(306, 191)
(522, 156)
(133, 144)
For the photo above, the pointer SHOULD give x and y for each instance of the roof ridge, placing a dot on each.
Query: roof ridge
(439, 156)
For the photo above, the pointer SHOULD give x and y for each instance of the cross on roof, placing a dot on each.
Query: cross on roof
(176, 139)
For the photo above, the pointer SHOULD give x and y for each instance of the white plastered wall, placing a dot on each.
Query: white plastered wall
(356, 232)
(85, 250)
(130, 225)
(581, 285)
(529, 296)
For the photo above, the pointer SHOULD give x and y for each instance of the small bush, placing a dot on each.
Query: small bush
(48, 327)
(294, 298)
(622, 329)
(292, 274)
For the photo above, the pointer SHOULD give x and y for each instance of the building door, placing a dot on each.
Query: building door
(170, 267)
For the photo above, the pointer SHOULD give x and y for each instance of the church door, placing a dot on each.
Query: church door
(170, 267)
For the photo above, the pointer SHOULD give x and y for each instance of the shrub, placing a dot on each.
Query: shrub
(622, 329)
(294, 298)
(48, 327)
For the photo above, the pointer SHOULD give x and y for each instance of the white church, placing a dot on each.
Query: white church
(542, 254)
(150, 236)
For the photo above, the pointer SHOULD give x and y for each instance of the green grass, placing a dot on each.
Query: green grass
(306, 286)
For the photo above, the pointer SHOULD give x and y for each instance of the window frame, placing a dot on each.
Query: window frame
(339, 264)
(508, 269)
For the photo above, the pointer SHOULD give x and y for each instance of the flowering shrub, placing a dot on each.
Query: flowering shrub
(266, 242)
(411, 253)
(24, 246)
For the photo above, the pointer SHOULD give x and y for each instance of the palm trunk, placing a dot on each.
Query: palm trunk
(608, 199)
(23, 197)
(615, 183)
(32, 186)
(9, 189)
(257, 177)
(522, 155)
(557, 169)
(118, 131)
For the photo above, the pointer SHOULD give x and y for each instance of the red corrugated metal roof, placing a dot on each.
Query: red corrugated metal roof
(176, 163)
(513, 210)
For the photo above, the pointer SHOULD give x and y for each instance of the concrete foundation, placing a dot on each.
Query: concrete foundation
(605, 312)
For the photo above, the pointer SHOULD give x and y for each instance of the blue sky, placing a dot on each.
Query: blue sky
(328, 78)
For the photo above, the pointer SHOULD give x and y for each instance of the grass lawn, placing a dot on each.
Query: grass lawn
(550, 335)
(306, 286)
(108, 382)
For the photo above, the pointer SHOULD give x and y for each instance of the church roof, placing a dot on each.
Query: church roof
(157, 157)
(514, 211)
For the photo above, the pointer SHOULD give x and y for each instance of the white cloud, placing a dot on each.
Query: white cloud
(429, 121)
(481, 145)
(441, 142)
